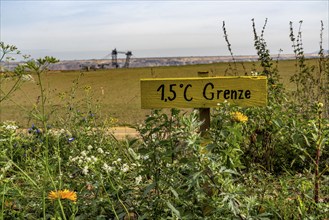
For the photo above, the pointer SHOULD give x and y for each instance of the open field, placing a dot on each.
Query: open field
(115, 92)
(65, 154)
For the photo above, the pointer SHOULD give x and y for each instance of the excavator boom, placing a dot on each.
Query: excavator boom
(115, 58)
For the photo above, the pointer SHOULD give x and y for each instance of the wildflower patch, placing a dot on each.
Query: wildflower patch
(201, 92)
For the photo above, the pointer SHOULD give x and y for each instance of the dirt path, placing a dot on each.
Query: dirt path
(119, 133)
(124, 132)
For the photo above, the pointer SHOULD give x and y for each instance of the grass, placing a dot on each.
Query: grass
(115, 91)
(253, 163)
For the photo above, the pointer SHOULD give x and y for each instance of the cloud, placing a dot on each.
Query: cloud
(157, 25)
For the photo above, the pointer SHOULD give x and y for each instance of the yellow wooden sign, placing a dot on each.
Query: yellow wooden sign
(203, 92)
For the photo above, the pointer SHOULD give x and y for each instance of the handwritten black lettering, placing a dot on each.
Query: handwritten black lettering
(185, 91)
(205, 91)
(241, 93)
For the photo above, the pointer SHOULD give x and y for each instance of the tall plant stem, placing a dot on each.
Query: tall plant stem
(317, 161)
(3, 201)
(44, 204)
(43, 115)
(15, 87)
(316, 176)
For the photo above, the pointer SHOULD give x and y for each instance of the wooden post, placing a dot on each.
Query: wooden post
(204, 112)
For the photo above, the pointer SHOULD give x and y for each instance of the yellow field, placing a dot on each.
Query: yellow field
(115, 91)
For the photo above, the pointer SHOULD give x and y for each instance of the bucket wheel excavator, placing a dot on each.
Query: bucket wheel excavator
(115, 58)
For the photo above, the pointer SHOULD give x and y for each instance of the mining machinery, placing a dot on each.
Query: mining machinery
(115, 58)
(93, 66)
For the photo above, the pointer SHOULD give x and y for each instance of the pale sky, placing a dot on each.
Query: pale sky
(72, 30)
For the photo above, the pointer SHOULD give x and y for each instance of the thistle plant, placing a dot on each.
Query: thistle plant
(311, 81)
(234, 70)
(304, 76)
(323, 76)
(266, 62)
(316, 138)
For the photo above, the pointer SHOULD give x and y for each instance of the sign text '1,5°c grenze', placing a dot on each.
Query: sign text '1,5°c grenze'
(203, 92)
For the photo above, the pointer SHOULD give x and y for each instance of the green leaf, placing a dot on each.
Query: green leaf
(306, 140)
(264, 216)
(173, 209)
(277, 123)
(148, 189)
(174, 192)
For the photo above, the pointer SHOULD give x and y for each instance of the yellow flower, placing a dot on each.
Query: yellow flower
(63, 194)
(203, 150)
(203, 146)
(239, 117)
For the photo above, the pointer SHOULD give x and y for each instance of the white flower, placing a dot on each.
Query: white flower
(12, 127)
(145, 157)
(117, 161)
(73, 159)
(93, 158)
(53, 132)
(107, 168)
(83, 153)
(90, 147)
(85, 170)
(9, 125)
(138, 179)
(100, 150)
(6, 167)
(27, 77)
(153, 136)
(125, 168)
